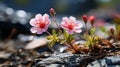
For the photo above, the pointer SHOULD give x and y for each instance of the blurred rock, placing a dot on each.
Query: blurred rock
(59, 48)
(3, 54)
(25, 38)
(36, 43)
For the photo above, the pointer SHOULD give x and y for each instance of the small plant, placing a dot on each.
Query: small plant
(65, 32)
(92, 40)
(69, 25)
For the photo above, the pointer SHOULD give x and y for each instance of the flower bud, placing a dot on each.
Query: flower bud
(84, 17)
(92, 20)
(112, 31)
(52, 12)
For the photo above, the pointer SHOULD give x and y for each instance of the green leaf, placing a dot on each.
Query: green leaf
(53, 39)
(54, 32)
(96, 38)
(90, 38)
(92, 31)
(62, 41)
(49, 37)
(51, 44)
(66, 35)
(86, 37)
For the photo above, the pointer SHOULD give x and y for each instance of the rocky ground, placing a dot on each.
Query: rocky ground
(17, 54)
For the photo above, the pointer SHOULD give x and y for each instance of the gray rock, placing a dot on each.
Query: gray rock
(78, 60)
(113, 66)
(64, 60)
(4, 54)
(98, 63)
(113, 61)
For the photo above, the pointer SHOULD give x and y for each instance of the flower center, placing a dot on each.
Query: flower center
(70, 26)
(42, 25)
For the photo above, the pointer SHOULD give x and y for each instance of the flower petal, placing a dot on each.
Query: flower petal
(48, 22)
(39, 31)
(66, 20)
(33, 29)
(33, 22)
(63, 25)
(45, 28)
(45, 17)
(78, 25)
(72, 19)
(69, 31)
(77, 30)
(38, 17)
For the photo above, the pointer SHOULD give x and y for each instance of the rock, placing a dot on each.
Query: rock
(4, 54)
(113, 61)
(45, 54)
(98, 63)
(36, 43)
(25, 38)
(54, 65)
(65, 59)
(113, 65)
(116, 44)
(73, 60)
(59, 48)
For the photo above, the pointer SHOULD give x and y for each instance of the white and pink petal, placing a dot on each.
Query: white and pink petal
(45, 17)
(33, 29)
(45, 28)
(33, 22)
(69, 31)
(72, 19)
(66, 20)
(39, 31)
(38, 17)
(63, 25)
(77, 30)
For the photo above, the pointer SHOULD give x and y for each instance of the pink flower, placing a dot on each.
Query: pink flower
(71, 25)
(40, 23)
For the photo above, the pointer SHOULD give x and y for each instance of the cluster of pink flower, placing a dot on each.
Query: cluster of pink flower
(40, 23)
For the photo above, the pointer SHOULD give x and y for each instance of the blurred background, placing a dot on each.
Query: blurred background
(15, 14)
